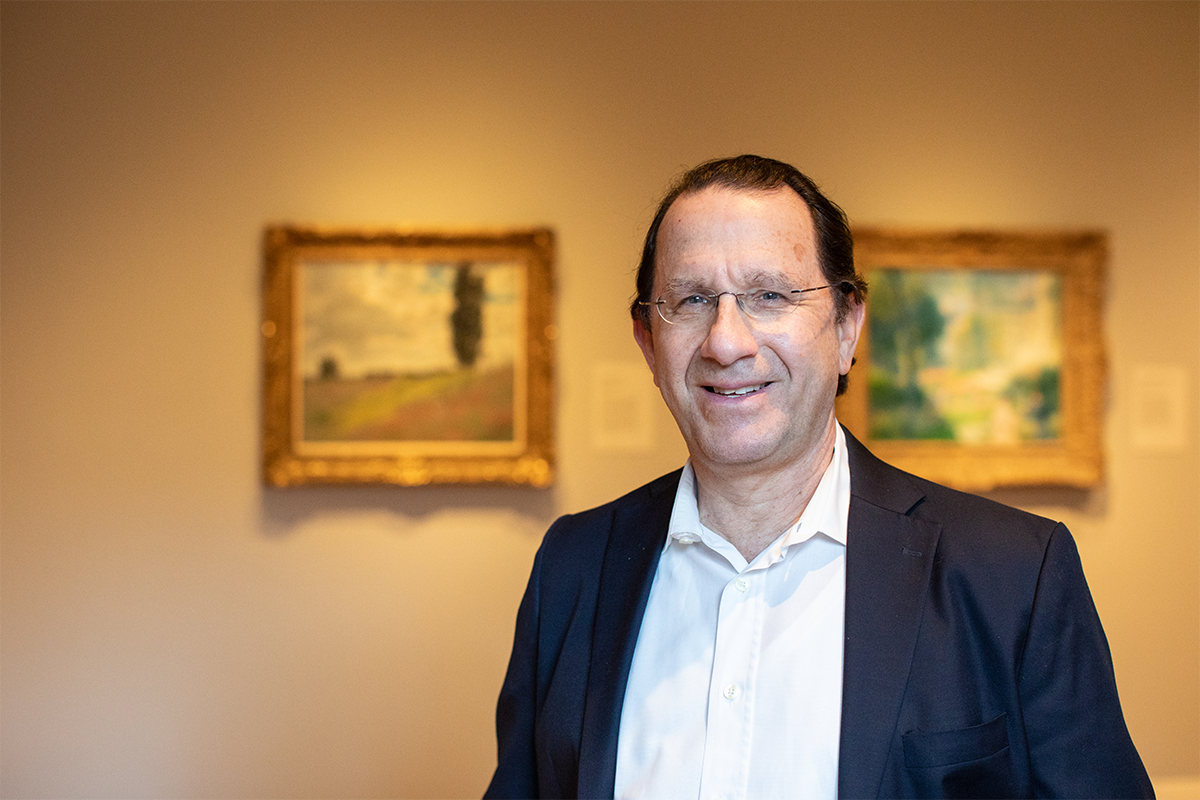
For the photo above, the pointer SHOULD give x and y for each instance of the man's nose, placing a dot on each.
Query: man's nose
(730, 337)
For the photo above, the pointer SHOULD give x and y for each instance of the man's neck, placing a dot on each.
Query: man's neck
(751, 507)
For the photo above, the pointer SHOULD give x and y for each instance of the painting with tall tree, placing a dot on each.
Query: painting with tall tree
(407, 358)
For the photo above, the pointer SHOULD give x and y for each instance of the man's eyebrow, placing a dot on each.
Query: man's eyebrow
(775, 279)
(687, 285)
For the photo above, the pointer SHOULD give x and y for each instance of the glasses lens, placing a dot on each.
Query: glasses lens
(684, 308)
(768, 303)
(697, 308)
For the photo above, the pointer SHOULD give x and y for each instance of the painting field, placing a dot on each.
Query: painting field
(455, 405)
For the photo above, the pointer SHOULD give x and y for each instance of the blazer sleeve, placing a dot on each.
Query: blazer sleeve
(1078, 743)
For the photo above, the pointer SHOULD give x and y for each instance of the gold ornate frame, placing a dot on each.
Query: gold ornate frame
(1072, 459)
(525, 458)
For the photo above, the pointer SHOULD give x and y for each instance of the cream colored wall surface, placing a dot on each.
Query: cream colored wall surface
(170, 628)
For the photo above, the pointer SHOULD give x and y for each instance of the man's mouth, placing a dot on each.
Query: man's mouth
(738, 392)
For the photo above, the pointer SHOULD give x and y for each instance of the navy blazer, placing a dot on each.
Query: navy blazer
(975, 663)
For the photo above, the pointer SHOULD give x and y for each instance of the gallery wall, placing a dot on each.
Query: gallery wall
(171, 628)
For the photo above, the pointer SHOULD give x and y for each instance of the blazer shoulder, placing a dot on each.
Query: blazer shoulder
(588, 532)
(993, 541)
(970, 520)
(974, 511)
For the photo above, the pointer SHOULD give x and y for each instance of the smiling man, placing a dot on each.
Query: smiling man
(788, 616)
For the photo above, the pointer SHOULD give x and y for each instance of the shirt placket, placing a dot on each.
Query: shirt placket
(730, 718)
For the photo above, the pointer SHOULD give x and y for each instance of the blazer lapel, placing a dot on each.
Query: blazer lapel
(639, 530)
(889, 557)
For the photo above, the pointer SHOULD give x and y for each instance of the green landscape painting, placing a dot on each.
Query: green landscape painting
(409, 351)
(970, 356)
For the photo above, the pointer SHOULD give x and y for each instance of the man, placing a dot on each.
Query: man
(788, 616)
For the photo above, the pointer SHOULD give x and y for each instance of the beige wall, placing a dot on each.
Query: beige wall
(171, 628)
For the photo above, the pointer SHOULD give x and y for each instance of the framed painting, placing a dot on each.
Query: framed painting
(981, 364)
(407, 357)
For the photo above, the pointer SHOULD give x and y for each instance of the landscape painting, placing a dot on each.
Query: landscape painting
(409, 351)
(408, 357)
(981, 361)
(970, 356)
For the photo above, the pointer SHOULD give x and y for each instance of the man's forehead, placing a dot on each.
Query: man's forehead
(771, 230)
(776, 214)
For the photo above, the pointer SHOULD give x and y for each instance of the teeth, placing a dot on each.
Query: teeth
(737, 392)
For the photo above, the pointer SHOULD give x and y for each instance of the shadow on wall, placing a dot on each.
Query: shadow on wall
(286, 510)
(1089, 502)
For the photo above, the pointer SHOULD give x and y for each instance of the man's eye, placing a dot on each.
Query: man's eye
(694, 300)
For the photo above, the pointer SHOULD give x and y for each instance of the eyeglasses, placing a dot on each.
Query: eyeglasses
(700, 309)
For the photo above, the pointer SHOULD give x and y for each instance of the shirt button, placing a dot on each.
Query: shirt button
(731, 691)
(741, 584)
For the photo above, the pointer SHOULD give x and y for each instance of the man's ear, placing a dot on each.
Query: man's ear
(848, 331)
(645, 340)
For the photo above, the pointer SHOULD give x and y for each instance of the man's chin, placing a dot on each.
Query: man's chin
(734, 452)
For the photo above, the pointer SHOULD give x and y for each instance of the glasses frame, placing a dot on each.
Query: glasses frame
(737, 297)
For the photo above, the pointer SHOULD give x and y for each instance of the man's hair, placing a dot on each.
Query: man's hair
(747, 173)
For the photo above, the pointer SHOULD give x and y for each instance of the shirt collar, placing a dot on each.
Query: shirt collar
(826, 513)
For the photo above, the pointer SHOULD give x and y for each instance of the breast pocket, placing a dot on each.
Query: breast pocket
(965, 763)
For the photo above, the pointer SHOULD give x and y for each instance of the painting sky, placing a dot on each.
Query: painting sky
(393, 317)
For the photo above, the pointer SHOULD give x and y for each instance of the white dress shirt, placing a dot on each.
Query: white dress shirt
(735, 690)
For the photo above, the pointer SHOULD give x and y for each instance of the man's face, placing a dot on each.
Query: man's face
(748, 392)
